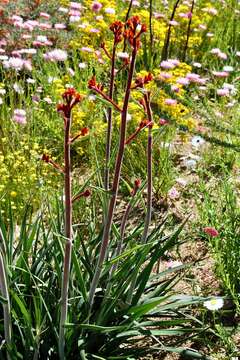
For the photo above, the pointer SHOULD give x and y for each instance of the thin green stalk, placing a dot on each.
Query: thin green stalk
(6, 306)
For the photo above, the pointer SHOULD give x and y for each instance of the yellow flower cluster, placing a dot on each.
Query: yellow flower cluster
(22, 173)
(90, 32)
(199, 23)
(177, 112)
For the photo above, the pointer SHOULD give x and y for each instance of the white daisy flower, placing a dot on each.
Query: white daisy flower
(214, 304)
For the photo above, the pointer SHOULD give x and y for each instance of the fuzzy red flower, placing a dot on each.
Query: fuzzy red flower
(84, 131)
(144, 80)
(46, 158)
(117, 28)
(92, 84)
(133, 30)
(137, 183)
(211, 231)
(72, 98)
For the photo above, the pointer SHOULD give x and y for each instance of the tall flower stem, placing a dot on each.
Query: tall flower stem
(149, 191)
(109, 127)
(68, 235)
(151, 27)
(149, 170)
(6, 307)
(115, 186)
(188, 32)
(165, 49)
(123, 227)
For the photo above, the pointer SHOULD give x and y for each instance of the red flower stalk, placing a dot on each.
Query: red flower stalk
(149, 168)
(148, 216)
(46, 158)
(188, 31)
(84, 131)
(125, 63)
(103, 46)
(137, 184)
(117, 28)
(141, 81)
(98, 88)
(85, 194)
(92, 84)
(133, 37)
(165, 49)
(143, 124)
(133, 30)
(71, 98)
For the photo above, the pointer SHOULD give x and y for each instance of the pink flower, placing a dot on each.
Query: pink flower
(220, 74)
(175, 88)
(183, 81)
(173, 22)
(223, 92)
(94, 30)
(167, 65)
(74, 13)
(195, 78)
(56, 55)
(163, 122)
(170, 102)
(44, 15)
(222, 56)
(14, 63)
(75, 6)
(212, 11)
(96, 6)
(165, 75)
(86, 49)
(20, 116)
(202, 26)
(186, 15)
(110, 11)
(44, 26)
(211, 231)
(215, 51)
(173, 193)
(60, 26)
(17, 64)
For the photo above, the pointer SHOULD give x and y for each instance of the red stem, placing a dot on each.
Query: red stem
(149, 171)
(68, 235)
(167, 40)
(109, 128)
(107, 98)
(188, 32)
(115, 186)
